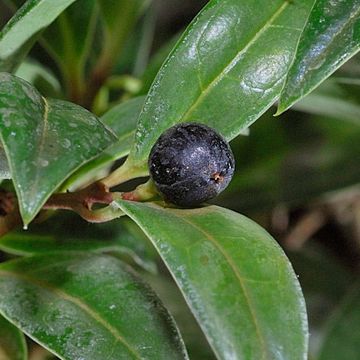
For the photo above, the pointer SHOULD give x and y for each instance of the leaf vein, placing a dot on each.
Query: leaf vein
(233, 62)
(82, 305)
(238, 276)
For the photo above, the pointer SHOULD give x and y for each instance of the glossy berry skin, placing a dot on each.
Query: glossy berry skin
(191, 163)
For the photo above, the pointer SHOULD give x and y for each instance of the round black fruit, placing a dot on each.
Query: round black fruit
(191, 163)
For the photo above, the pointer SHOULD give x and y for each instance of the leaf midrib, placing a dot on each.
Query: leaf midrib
(83, 306)
(232, 63)
(238, 276)
(232, 267)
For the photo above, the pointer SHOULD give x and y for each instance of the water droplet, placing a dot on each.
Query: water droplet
(43, 162)
(66, 143)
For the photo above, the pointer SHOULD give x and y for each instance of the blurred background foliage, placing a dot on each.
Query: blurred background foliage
(297, 175)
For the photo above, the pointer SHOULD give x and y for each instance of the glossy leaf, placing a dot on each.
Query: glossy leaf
(12, 342)
(343, 335)
(69, 233)
(24, 27)
(88, 307)
(235, 278)
(196, 344)
(45, 141)
(122, 119)
(331, 36)
(226, 69)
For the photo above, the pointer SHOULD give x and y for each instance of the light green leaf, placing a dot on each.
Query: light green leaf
(235, 278)
(45, 141)
(73, 31)
(343, 336)
(4, 166)
(331, 37)
(331, 100)
(226, 70)
(122, 119)
(18, 35)
(12, 342)
(69, 233)
(40, 77)
(119, 18)
(87, 307)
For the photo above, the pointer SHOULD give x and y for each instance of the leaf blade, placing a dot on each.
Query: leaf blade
(208, 264)
(38, 136)
(120, 238)
(122, 119)
(342, 337)
(73, 319)
(229, 48)
(331, 37)
(22, 30)
(12, 342)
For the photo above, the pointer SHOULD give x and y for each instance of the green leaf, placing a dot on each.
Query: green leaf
(331, 37)
(119, 18)
(332, 100)
(235, 278)
(69, 233)
(226, 69)
(170, 295)
(127, 10)
(73, 31)
(19, 34)
(4, 166)
(343, 335)
(122, 119)
(155, 64)
(40, 77)
(87, 307)
(12, 342)
(45, 141)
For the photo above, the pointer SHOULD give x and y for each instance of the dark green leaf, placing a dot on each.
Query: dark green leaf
(45, 141)
(235, 278)
(12, 342)
(69, 233)
(331, 36)
(21, 31)
(196, 344)
(87, 307)
(226, 70)
(343, 335)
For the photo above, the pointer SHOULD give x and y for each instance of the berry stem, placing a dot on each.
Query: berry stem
(143, 192)
(124, 173)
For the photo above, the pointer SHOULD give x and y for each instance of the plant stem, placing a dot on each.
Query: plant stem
(124, 173)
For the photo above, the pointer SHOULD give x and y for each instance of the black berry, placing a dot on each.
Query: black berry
(191, 163)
